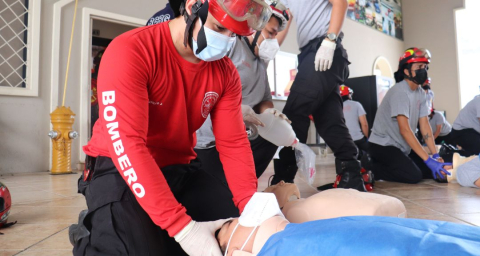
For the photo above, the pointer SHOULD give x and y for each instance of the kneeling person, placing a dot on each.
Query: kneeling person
(396, 153)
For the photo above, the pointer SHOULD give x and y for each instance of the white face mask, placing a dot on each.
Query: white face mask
(268, 49)
(217, 45)
(261, 207)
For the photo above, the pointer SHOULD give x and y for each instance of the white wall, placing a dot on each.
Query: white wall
(363, 45)
(25, 121)
(430, 24)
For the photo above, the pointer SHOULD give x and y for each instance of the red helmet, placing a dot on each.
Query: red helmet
(414, 55)
(345, 90)
(242, 17)
(5, 204)
(280, 11)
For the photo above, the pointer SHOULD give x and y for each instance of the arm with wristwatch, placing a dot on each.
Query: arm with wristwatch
(324, 56)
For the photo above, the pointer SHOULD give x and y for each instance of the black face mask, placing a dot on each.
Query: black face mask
(421, 76)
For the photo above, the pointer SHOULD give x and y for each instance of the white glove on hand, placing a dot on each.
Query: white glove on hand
(278, 113)
(198, 238)
(250, 116)
(324, 56)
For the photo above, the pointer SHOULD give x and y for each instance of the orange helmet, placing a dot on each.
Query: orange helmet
(414, 55)
(345, 90)
(5, 204)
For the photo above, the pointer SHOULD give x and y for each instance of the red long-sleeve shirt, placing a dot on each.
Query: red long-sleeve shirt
(151, 103)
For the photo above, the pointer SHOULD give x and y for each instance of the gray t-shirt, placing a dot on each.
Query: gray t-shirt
(468, 116)
(439, 119)
(430, 98)
(312, 18)
(400, 100)
(353, 110)
(255, 86)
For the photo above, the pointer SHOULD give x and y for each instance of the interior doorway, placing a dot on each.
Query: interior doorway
(103, 32)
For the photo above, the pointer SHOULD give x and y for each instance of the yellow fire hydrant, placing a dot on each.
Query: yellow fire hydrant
(62, 135)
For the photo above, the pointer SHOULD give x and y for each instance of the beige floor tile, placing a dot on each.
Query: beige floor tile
(8, 252)
(472, 218)
(78, 200)
(21, 236)
(47, 215)
(59, 241)
(462, 205)
(414, 209)
(427, 193)
(388, 185)
(31, 252)
(440, 218)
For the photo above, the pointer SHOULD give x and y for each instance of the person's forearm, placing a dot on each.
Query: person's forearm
(414, 144)
(283, 34)
(437, 132)
(427, 135)
(365, 130)
(262, 106)
(339, 10)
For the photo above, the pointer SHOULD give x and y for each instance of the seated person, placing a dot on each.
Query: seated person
(441, 128)
(266, 232)
(333, 203)
(466, 170)
(466, 128)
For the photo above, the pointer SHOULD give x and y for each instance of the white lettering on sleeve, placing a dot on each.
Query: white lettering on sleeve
(124, 162)
(108, 97)
(118, 147)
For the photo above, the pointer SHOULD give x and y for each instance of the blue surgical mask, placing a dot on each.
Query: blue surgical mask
(217, 46)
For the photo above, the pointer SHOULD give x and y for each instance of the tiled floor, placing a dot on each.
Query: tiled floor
(46, 205)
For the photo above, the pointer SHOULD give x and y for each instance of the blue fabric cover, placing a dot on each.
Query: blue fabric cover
(374, 235)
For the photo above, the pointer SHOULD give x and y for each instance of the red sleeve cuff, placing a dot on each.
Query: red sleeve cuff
(179, 225)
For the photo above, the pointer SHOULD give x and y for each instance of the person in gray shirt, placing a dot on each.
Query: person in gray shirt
(396, 153)
(441, 128)
(250, 55)
(466, 128)
(322, 68)
(355, 116)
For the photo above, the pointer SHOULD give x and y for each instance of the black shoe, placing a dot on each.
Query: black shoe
(351, 176)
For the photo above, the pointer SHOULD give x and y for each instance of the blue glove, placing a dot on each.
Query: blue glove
(437, 168)
(436, 156)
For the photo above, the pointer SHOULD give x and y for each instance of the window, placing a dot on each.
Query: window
(18, 47)
(468, 44)
(281, 73)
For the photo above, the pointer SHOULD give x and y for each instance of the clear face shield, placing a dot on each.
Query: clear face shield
(256, 12)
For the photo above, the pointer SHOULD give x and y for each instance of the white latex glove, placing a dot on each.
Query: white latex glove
(250, 116)
(198, 238)
(277, 113)
(324, 56)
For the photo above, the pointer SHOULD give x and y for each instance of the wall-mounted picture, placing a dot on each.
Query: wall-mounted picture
(382, 15)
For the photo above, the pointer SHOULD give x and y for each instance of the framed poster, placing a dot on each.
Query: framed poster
(381, 15)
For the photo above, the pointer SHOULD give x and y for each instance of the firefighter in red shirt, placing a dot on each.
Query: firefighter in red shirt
(145, 191)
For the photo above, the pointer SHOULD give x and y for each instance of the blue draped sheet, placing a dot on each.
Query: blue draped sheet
(374, 235)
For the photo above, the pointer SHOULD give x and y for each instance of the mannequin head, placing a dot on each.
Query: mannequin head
(284, 192)
(257, 240)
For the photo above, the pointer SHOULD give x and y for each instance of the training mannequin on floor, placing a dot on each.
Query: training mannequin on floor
(333, 203)
(263, 230)
(466, 171)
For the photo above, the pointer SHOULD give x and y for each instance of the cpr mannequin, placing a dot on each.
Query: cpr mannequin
(466, 171)
(257, 240)
(333, 203)
(357, 235)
